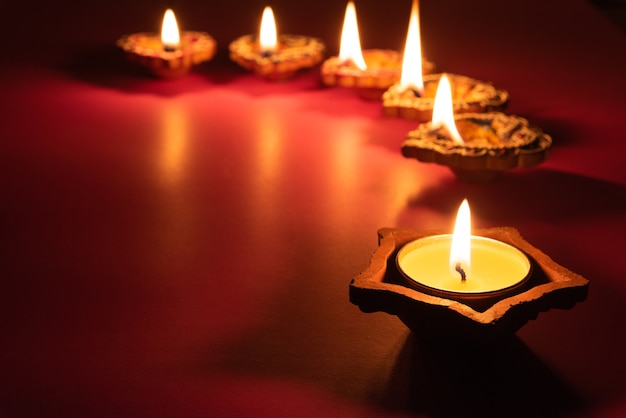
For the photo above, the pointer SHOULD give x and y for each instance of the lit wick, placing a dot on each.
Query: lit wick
(268, 38)
(443, 113)
(170, 36)
(460, 270)
(460, 248)
(411, 77)
(350, 52)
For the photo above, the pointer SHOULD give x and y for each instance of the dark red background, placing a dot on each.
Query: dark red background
(184, 248)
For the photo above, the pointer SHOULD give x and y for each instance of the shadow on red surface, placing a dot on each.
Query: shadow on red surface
(507, 379)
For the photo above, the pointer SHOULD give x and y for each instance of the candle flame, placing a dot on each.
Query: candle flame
(350, 48)
(267, 33)
(412, 60)
(443, 114)
(461, 242)
(170, 36)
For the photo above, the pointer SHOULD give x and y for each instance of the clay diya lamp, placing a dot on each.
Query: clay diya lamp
(471, 287)
(414, 95)
(415, 100)
(477, 147)
(414, 86)
(370, 71)
(172, 53)
(272, 56)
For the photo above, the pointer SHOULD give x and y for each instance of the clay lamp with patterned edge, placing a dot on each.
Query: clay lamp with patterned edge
(412, 97)
(272, 56)
(477, 147)
(369, 71)
(402, 281)
(171, 54)
(404, 100)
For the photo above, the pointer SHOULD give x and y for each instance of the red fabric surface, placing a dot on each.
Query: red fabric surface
(184, 248)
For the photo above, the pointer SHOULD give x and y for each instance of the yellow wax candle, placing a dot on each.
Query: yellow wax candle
(494, 265)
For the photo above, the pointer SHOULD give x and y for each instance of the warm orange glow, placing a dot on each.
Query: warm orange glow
(350, 48)
(170, 36)
(175, 139)
(443, 114)
(267, 34)
(461, 241)
(412, 60)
